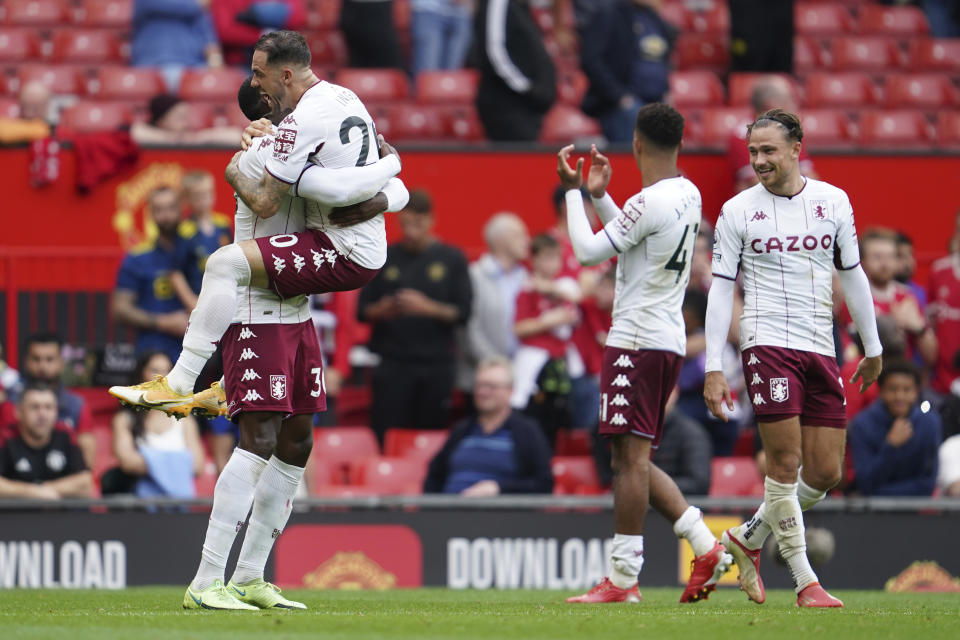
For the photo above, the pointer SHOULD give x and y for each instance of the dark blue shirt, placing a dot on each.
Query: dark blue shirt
(198, 246)
(481, 456)
(651, 67)
(884, 470)
(175, 32)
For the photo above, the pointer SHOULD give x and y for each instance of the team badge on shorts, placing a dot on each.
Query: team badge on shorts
(278, 387)
(779, 389)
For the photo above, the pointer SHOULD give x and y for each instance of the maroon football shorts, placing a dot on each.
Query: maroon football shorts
(785, 383)
(307, 262)
(634, 388)
(273, 367)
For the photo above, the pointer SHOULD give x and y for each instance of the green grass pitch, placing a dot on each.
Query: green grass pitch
(146, 613)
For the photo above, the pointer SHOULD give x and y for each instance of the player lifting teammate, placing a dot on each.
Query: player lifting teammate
(785, 235)
(654, 236)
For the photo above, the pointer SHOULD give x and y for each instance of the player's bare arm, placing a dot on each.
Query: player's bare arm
(263, 196)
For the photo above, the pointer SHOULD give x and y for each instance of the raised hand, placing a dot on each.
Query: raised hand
(569, 178)
(600, 172)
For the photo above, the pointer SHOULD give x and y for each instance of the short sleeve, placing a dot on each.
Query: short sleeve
(127, 276)
(298, 137)
(846, 252)
(727, 246)
(636, 221)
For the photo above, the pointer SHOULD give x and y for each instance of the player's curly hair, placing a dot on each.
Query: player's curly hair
(284, 47)
(789, 121)
(661, 125)
(251, 101)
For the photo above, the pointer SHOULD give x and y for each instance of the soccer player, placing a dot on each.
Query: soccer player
(654, 236)
(329, 128)
(785, 235)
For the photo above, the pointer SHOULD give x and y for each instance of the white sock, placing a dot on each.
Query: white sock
(691, 527)
(756, 530)
(226, 269)
(231, 503)
(807, 495)
(626, 560)
(783, 509)
(272, 503)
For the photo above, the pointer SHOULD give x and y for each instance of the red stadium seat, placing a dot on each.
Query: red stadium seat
(447, 87)
(231, 116)
(564, 124)
(570, 473)
(892, 21)
(943, 54)
(572, 87)
(34, 13)
(821, 19)
(807, 55)
(89, 117)
(345, 491)
(327, 48)
(60, 79)
(717, 124)
(413, 443)
(390, 475)
(573, 442)
(206, 114)
(322, 14)
(103, 457)
(695, 89)
(735, 476)
(463, 124)
(17, 45)
(702, 52)
(205, 483)
(865, 53)
(375, 85)
(740, 86)
(840, 90)
(125, 83)
(211, 85)
(919, 91)
(826, 129)
(339, 446)
(410, 122)
(948, 130)
(894, 129)
(715, 20)
(401, 15)
(117, 14)
(86, 45)
(323, 473)
(9, 108)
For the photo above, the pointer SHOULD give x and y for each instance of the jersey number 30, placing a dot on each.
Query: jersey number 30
(678, 261)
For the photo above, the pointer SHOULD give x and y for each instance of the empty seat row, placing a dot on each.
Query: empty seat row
(53, 13)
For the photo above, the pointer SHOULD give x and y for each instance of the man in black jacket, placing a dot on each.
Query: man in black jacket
(496, 450)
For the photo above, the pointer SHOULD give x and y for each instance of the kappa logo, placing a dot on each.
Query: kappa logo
(779, 389)
(840, 380)
(758, 399)
(278, 387)
(298, 261)
(265, 141)
(753, 359)
(239, 525)
(618, 419)
(328, 255)
(276, 534)
(759, 215)
(249, 375)
(247, 354)
(278, 263)
(252, 395)
(619, 401)
(756, 379)
(621, 381)
(289, 120)
(246, 333)
(624, 362)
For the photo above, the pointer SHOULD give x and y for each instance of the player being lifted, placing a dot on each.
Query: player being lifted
(785, 235)
(654, 236)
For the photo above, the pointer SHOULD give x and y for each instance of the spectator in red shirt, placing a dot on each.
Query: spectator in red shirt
(943, 297)
(239, 24)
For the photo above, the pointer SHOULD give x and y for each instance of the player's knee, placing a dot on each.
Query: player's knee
(295, 451)
(627, 455)
(227, 262)
(262, 442)
(783, 466)
(824, 477)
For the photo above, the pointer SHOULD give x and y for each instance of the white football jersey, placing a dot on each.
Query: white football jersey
(330, 127)
(256, 305)
(787, 249)
(654, 234)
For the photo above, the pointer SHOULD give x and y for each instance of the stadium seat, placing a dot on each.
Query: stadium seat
(327, 48)
(345, 491)
(864, 53)
(125, 83)
(211, 85)
(339, 446)
(564, 124)
(572, 87)
(463, 123)
(695, 89)
(821, 19)
(807, 55)
(322, 14)
(33, 13)
(717, 124)
(409, 122)
(826, 129)
(103, 458)
(919, 91)
(894, 129)
(573, 442)
(715, 20)
(89, 117)
(447, 87)
(17, 45)
(231, 116)
(60, 79)
(206, 482)
(740, 86)
(735, 476)
(322, 473)
(570, 473)
(9, 108)
(205, 114)
(840, 90)
(117, 14)
(390, 475)
(86, 45)
(375, 85)
(948, 130)
(905, 22)
(401, 15)
(942, 54)
(413, 443)
(706, 52)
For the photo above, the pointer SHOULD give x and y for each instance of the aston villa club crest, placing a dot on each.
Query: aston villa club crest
(779, 389)
(278, 387)
(819, 208)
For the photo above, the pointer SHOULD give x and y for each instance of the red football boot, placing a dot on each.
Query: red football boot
(606, 591)
(748, 562)
(813, 595)
(706, 572)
